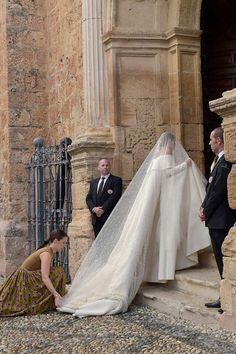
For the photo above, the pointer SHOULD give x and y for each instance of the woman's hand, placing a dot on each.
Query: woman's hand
(57, 300)
(189, 162)
(45, 271)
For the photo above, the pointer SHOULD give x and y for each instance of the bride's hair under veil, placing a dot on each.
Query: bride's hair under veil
(115, 265)
(167, 144)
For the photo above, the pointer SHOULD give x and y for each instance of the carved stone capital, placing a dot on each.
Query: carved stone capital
(225, 106)
(90, 147)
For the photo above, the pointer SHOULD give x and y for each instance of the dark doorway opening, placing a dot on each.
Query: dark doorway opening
(218, 60)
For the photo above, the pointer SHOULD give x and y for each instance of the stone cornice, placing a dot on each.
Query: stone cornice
(183, 32)
(226, 105)
(152, 40)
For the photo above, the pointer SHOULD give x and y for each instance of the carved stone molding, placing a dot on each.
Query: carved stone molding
(93, 145)
(225, 106)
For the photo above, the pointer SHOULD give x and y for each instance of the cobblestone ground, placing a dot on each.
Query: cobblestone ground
(141, 330)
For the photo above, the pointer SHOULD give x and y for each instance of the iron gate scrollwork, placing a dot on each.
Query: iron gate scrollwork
(49, 195)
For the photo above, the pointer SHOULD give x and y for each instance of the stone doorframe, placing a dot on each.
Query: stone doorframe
(141, 77)
(226, 108)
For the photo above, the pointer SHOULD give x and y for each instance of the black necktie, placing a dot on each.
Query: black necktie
(99, 192)
(216, 158)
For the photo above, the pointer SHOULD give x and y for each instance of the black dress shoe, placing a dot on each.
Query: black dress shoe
(221, 311)
(214, 304)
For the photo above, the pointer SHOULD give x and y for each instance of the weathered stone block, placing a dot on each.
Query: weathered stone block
(140, 16)
(230, 141)
(232, 187)
(198, 158)
(193, 136)
(162, 111)
(138, 76)
(81, 237)
(226, 296)
(128, 112)
(189, 111)
(80, 191)
(127, 163)
(78, 249)
(229, 268)
(229, 244)
(13, 236)
(20, 118)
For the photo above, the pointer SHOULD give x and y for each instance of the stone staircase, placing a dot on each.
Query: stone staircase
(185, 296)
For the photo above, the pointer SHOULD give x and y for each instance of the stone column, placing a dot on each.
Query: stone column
(96, 142)
(226, 108)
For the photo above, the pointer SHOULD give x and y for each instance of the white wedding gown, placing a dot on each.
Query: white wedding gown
(161, 233)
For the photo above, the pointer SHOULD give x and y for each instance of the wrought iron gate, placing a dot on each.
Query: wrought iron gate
(49, 195)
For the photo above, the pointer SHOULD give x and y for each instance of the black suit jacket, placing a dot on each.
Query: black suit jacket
(216, 208)
(111, 194)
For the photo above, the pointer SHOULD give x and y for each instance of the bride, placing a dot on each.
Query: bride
(153, 231)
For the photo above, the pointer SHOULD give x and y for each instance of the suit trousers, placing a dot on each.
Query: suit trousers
(217, 239)
(98, 226)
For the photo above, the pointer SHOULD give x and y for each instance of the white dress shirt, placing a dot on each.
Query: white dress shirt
(100, 181)
(215, 161)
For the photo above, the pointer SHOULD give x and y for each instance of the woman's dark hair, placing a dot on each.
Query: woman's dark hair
(56, 234)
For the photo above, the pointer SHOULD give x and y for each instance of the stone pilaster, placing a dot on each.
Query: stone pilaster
(226, 108)
(86, 151)
(185, 90)
(97, 141)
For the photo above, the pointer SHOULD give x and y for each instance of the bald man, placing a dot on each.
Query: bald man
(103, 195)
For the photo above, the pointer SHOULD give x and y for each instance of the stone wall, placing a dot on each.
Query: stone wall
(4, 138)
(65, 68)
(25, 106)
(41, 95)
(4, 153)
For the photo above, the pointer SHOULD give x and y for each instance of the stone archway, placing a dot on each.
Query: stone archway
(152, 52)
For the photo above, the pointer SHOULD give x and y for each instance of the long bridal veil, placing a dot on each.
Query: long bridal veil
(153, 230)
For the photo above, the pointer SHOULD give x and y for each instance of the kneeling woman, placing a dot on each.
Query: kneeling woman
(36, 286)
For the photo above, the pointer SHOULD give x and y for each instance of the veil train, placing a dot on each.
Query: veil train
(153, 230)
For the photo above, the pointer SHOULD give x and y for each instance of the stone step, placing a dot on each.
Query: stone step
(198, 280)
(179, 304)
(186, 295)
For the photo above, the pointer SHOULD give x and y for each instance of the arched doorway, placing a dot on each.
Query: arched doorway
(218, 60)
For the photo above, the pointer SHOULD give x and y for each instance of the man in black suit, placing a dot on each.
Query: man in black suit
(215, 210)
(104, 193)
